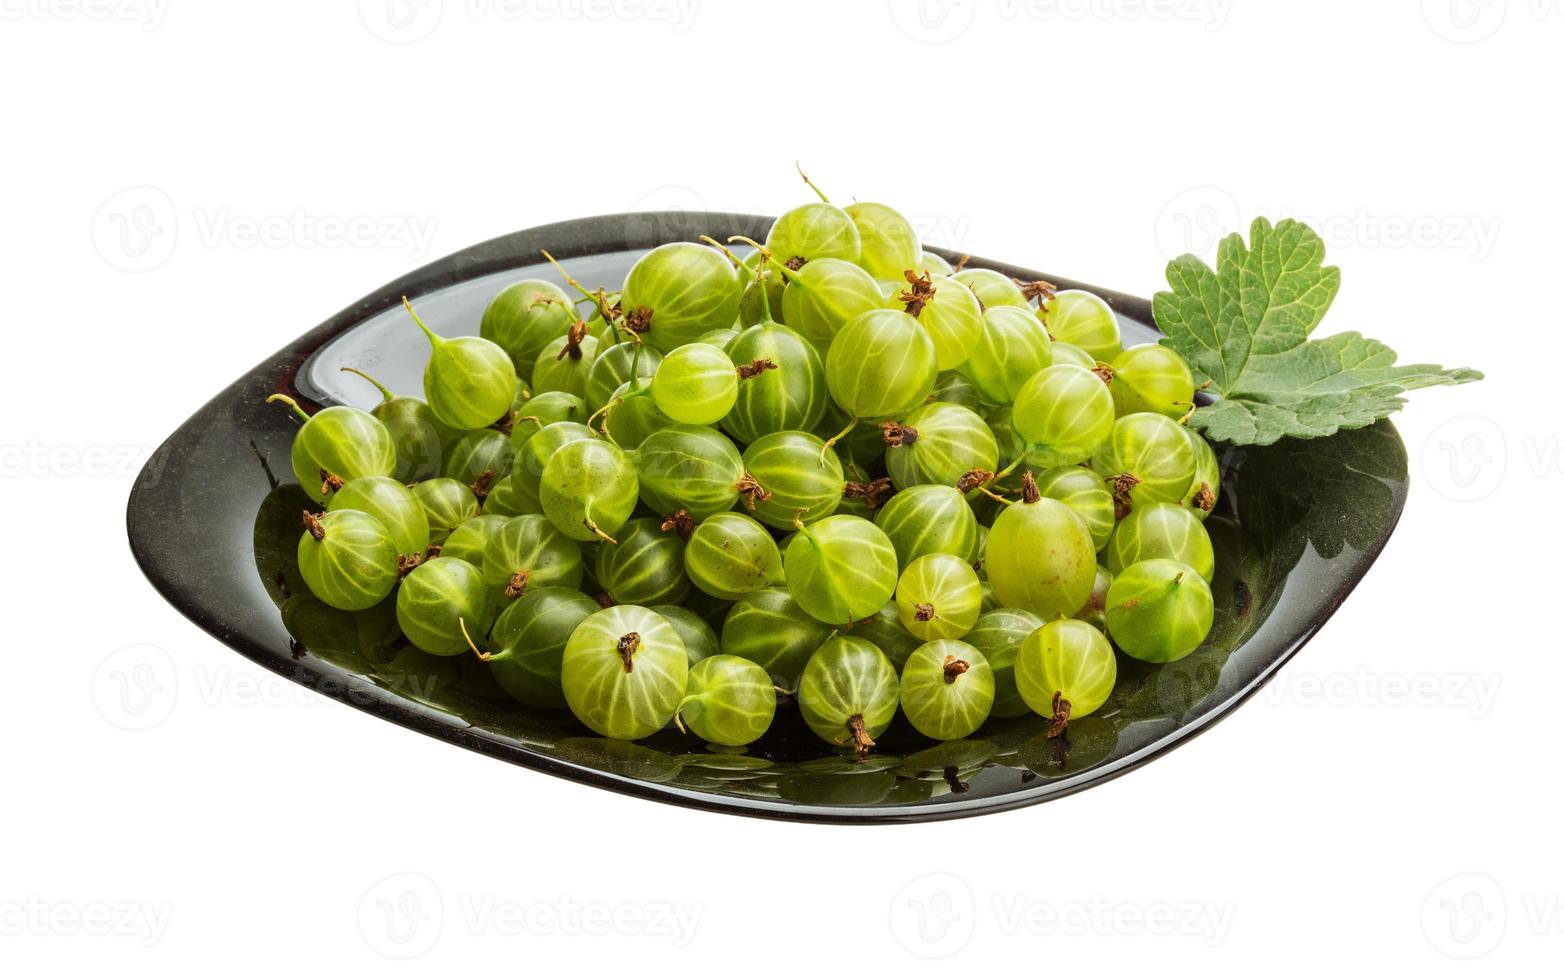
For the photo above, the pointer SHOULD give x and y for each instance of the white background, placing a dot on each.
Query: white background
(1389, 802)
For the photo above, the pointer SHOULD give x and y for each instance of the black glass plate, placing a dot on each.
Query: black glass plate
(213, 521)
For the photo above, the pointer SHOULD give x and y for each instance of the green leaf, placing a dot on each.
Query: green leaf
(1245, 328)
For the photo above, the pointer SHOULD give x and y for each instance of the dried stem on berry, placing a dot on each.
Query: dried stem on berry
(628, 644)
(312, 524)
(680, 522)
(954, 668)
(897, 435)
(755, 368)
(919, 295)
(1061, 718)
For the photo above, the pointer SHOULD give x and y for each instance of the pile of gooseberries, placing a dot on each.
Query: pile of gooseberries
(832, 478)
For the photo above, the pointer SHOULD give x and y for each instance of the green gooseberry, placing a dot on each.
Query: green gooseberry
(781, 383)
(534, 450)
(884, 630)
(881, 364)
(690, 468)
(624, 672)
(546, 408)
(696, 384)
(1067, 353)
(1152, 378)
(419, 437)
(1204, 489)
(938, 597)
(505, 500)
(700, 640)
(526, 553)
(1159, 610)
(588, 489)
(947, 689)
(999, 634)
(645, 567)
(1065, 670)
(730, 555)
(566, 368)
(791, 475)
(447, 504)
(769, 628)
(937, 264)
(677, 292)
(957, 389)
(617, 365)
(939, 443)
(482, 457)
(393, 504)
(632, 414)
(1084, 492)
(1147, 460)
(336, 445)
(762, 290)
(889, 244)
(1062, 415)
(1039, 555)
(440, 602)
(469, 381)
(347, 558)
(1161, 531)
(523, 318)
(719, 339)
(840, 569)
(994, 289)
(1083, 319)
(822, 296)
(817, 230)
(848, 693)
(1014, 346)
(529, 643)
(470, 539)
(948, 311)
(1095, 612)
(727, 701)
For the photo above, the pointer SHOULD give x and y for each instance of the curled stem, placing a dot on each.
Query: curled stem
(284, 399)
(836, 439)
(461, 621)
(385, 393)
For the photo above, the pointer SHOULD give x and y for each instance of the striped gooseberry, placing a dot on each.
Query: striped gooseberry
(624, 671)
(848, 693)
(1039, 556)
(947, 689)
(727, 701)
(336, 445)
(347, 558)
